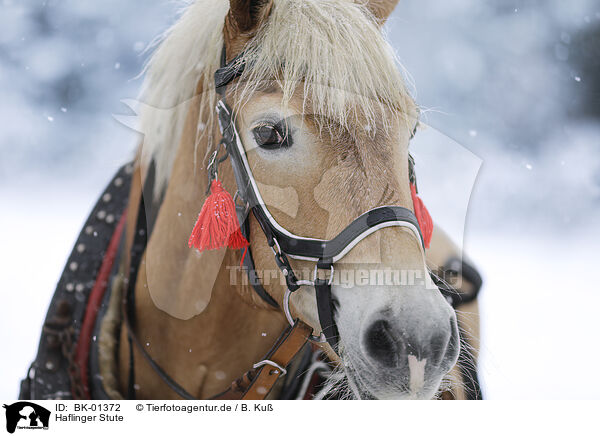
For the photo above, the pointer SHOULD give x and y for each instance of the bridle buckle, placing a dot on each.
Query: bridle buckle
(278, 368)
(286, 310)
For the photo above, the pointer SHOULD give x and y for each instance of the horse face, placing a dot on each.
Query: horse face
(398, 335)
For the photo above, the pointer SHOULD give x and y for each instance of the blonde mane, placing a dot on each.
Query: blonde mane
(332, 49)
(188, 52)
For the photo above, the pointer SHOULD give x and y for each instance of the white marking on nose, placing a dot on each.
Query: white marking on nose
(417, 373)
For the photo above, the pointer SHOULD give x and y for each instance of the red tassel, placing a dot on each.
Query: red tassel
(217, 225)
(422, 214)
(243, 257)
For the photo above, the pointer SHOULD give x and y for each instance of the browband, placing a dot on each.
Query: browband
(229, 72)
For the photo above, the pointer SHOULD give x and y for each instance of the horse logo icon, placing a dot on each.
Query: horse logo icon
(26, 415)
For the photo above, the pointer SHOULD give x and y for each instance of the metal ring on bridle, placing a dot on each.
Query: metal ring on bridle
(330, 281)
(288, 315)
(211, 167)
(213, 164)
(278, 252)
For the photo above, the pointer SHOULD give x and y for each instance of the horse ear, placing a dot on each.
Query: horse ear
(381, 9)
(246, 15)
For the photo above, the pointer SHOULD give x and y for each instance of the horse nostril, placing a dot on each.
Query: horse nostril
(381, 345)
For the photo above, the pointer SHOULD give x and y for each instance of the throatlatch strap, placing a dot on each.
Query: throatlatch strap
(248, 263)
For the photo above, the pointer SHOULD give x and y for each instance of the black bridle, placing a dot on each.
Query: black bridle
(285, 244)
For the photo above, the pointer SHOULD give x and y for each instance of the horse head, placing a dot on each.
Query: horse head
(324, 118)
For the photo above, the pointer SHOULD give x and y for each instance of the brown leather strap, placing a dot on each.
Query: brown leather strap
(254, 384)
(257, 383)
(282, 355)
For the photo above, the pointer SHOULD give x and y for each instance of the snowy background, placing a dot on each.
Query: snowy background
(515, 82)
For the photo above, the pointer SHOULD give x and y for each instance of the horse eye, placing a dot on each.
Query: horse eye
(271, 137)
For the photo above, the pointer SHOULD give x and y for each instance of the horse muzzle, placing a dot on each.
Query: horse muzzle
(401, 349)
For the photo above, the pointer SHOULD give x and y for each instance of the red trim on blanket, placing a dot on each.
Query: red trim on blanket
(82, 351)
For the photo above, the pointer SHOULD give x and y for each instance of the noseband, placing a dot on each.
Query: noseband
(284, 243)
